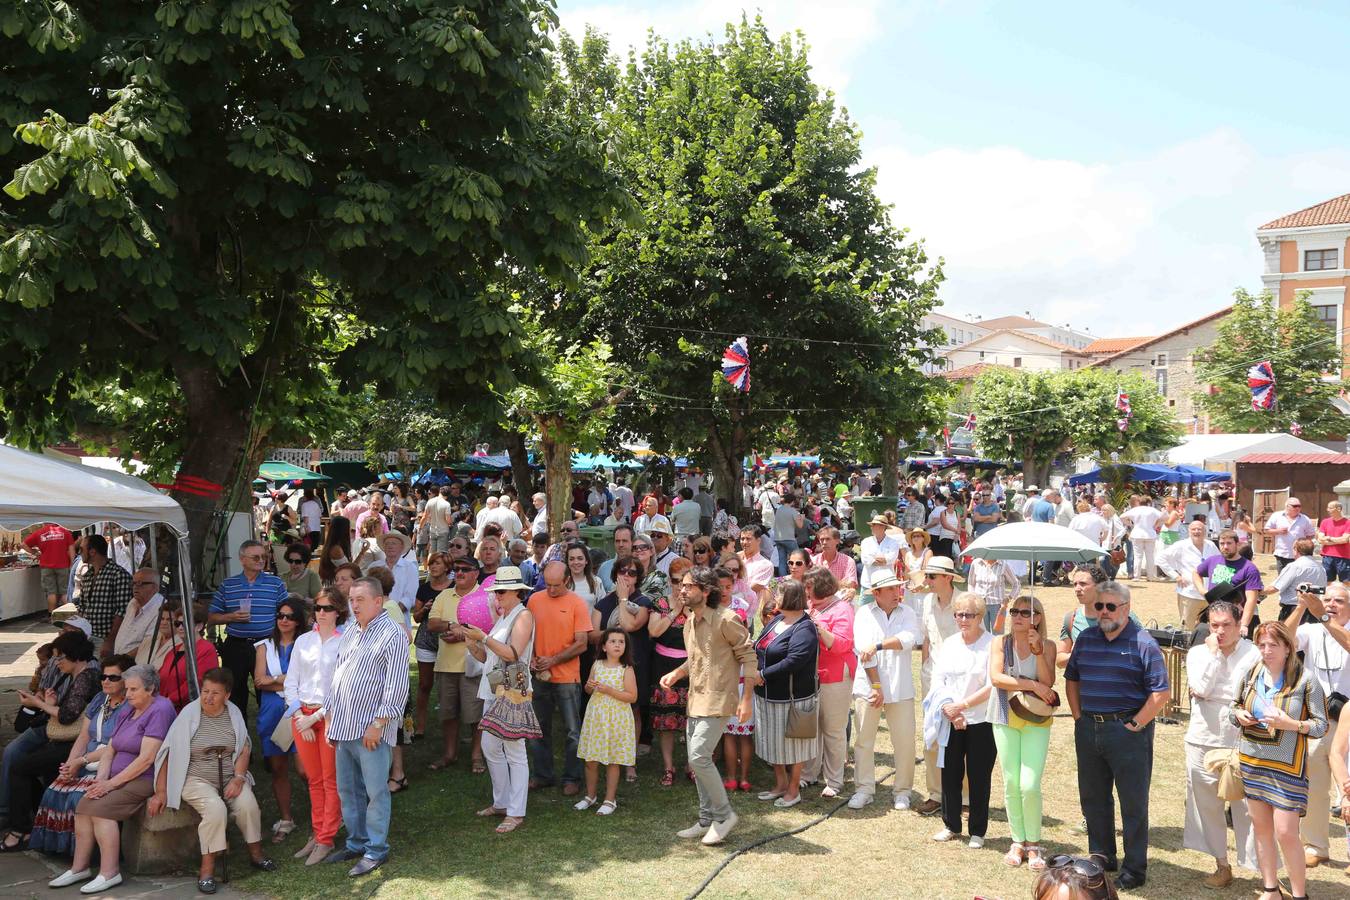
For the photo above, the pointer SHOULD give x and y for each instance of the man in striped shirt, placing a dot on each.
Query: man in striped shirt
(1116, 682)
(246, 604)
(364, 706)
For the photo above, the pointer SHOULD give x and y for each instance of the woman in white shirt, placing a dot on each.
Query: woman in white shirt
(580, 580)
(313, 661)
(961, 688)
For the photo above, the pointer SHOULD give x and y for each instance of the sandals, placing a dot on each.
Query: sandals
(1015, 856)
(729, 784)
(630, 774)
(442, 763)
(20, 844)
(607, 808)
(584, 804)
(1035, 858)
(281, 829)
(667, 778)
(479, 767)
(745, 786)
(489, 812)
(510, 824)
(397, 785)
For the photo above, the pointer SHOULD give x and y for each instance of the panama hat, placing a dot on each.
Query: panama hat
(887, 581)
(403, 539)
(940, 565)
(508, 579)
(879, 520)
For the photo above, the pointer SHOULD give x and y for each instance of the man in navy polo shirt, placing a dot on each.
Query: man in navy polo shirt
(246, 604)
(1116, 682)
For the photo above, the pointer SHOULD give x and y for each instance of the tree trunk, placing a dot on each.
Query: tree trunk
(217, 429)
(557, 473)
(521, 476)
(890, 464)
(728, 469)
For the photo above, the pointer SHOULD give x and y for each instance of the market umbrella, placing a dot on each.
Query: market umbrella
(1033, 542)
(1197, 475)
(1131, 471)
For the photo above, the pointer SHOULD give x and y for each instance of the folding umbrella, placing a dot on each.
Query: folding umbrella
(1034, 542)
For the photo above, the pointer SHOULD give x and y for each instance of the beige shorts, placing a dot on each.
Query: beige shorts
(458, 697)
(54, 581)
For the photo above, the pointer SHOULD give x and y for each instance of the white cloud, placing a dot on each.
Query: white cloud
(836, 32)
(1125, 248)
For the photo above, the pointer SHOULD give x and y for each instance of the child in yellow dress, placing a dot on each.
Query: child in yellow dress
(608, 735)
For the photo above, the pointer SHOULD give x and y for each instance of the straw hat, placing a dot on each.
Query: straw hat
(508, 579)
(1032, 708)
(887, 581)
(940, 565)
(927, 538)
(404, 541)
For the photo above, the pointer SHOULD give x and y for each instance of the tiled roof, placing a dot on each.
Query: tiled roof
(1147, 342)
(1114, 345)
(966, 373)
(1335, 211)
(1292, 459)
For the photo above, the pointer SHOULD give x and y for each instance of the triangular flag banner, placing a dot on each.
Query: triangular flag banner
(736, 365)
(1261, 379)
(1123, 407)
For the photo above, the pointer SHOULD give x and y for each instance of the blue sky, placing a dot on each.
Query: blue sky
(1101, 164)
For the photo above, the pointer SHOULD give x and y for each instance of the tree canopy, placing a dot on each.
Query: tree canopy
(1301, 350)
(223, 208)
(756, 218)
(1035, 416)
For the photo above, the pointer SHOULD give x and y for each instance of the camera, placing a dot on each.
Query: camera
(1306, 588)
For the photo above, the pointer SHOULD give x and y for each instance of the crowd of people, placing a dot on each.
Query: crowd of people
(773, 638)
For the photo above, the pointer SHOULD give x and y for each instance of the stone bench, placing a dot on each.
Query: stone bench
(162, 844)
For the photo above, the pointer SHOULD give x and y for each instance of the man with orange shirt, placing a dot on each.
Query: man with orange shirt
(562, 623)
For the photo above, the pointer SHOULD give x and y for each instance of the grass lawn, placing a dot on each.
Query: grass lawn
(440, 849)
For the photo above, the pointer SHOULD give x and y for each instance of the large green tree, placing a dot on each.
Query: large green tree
(1302, 352)
(757, 218)
(204, 194)
(1035, 416)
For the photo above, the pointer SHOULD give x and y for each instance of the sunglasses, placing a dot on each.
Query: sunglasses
(325, 608)
(290, 616)
(626, 572)
(698, 550)
(459, 546)
(794, 563)
(460, 570)
(1024, 613)
(295, 561)
(968, 615)
(106, 677)
(642, 549)
(1088, 868)
(1109, 607)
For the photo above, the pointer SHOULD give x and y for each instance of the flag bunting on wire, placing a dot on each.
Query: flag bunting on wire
(736, 365)
(1261, 379)
(1123, 408)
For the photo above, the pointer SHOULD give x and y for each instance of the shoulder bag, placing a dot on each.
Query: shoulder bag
(803, 722)
(1223, 762)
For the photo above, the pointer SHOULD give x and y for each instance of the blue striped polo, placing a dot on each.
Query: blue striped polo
(265, 593)
(1116, 676)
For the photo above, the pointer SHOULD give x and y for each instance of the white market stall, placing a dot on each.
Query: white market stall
(1222, 451)
(36, 488)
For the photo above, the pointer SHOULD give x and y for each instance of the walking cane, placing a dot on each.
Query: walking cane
(221, 753)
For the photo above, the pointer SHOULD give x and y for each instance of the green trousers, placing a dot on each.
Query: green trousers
(1022, 752)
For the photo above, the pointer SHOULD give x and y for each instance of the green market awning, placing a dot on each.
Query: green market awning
(276, 471)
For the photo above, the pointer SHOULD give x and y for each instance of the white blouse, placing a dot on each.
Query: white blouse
(964, 668)
(313, 661)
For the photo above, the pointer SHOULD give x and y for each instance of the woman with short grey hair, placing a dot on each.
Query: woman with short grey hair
(124, 783)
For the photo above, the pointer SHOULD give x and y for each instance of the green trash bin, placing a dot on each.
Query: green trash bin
(599, 537)
(864, 508)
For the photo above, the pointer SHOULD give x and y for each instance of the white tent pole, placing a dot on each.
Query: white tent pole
(185, 595)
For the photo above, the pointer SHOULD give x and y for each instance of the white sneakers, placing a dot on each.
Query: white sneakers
(69, 877)
(976, 842)
(696, 830)
(718, 831)
(902, 801)
(944, 836)
(859, 800)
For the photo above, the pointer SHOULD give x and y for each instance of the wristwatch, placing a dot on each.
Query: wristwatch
(1131, 722)
(879, 647)
(1326, 617)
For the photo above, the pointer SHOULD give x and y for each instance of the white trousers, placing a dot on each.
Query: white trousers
(1143, 557)
(1315, 827)
(509, 767)
(900, 720)
(205, 799)
(1205, 830)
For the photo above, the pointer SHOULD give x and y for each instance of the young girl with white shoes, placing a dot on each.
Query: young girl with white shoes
(608, 734)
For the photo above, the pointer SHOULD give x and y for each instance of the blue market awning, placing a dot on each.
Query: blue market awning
(1141, 472)
(1197, 475)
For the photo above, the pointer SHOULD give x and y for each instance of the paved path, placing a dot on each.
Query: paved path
(26, 874)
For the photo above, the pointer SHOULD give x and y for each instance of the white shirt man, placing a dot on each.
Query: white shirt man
(502, 516)
(878, 554)
(142, 612)
(598, 499)
(885, 634)
(1287, 527)
(540, 523)
(1178, 562)
(1091, 526)
(1324, 645)
(623, 501)
(311, 515)
(1214, 673)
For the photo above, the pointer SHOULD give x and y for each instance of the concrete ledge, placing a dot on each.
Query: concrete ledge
(162, 844)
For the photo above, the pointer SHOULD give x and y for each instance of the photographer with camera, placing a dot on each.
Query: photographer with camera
(1324, 646)
(1303, 569)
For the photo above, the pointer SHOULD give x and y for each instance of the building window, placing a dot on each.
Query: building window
(1317, 260)
(1160, 379)
(1161, 361)
(1326, 316)
(1017, 362)
(981, 356)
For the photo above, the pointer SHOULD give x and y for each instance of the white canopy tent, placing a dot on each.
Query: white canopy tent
(1222, 451)
(37, 488)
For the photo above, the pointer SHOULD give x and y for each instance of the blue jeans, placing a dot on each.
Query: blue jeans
(567, 699)
(1110, 755)
(363, 788)
(21, 746)
(1337, 568)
